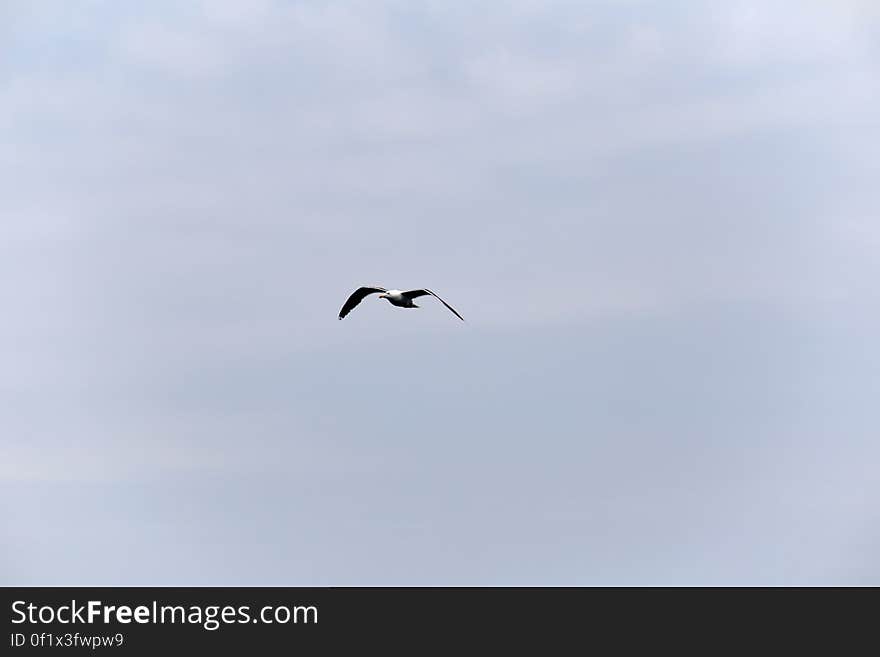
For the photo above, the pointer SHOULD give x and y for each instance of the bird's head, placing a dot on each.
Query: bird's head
(384, 295)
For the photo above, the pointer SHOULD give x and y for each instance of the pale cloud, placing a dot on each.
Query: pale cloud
(777, 33)
(658, 221)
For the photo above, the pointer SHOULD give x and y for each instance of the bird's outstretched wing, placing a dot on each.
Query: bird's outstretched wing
(412, 294)
(356, 297)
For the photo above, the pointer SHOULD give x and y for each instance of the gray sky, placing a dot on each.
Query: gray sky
(659, 219)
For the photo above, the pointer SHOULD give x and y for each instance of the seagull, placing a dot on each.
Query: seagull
(395, 297)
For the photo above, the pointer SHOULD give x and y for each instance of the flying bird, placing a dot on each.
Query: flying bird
(395, 297)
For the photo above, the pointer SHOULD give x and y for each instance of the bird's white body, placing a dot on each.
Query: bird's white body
(396, 298)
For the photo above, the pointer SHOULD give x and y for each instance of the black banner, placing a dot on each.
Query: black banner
(153, 620)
